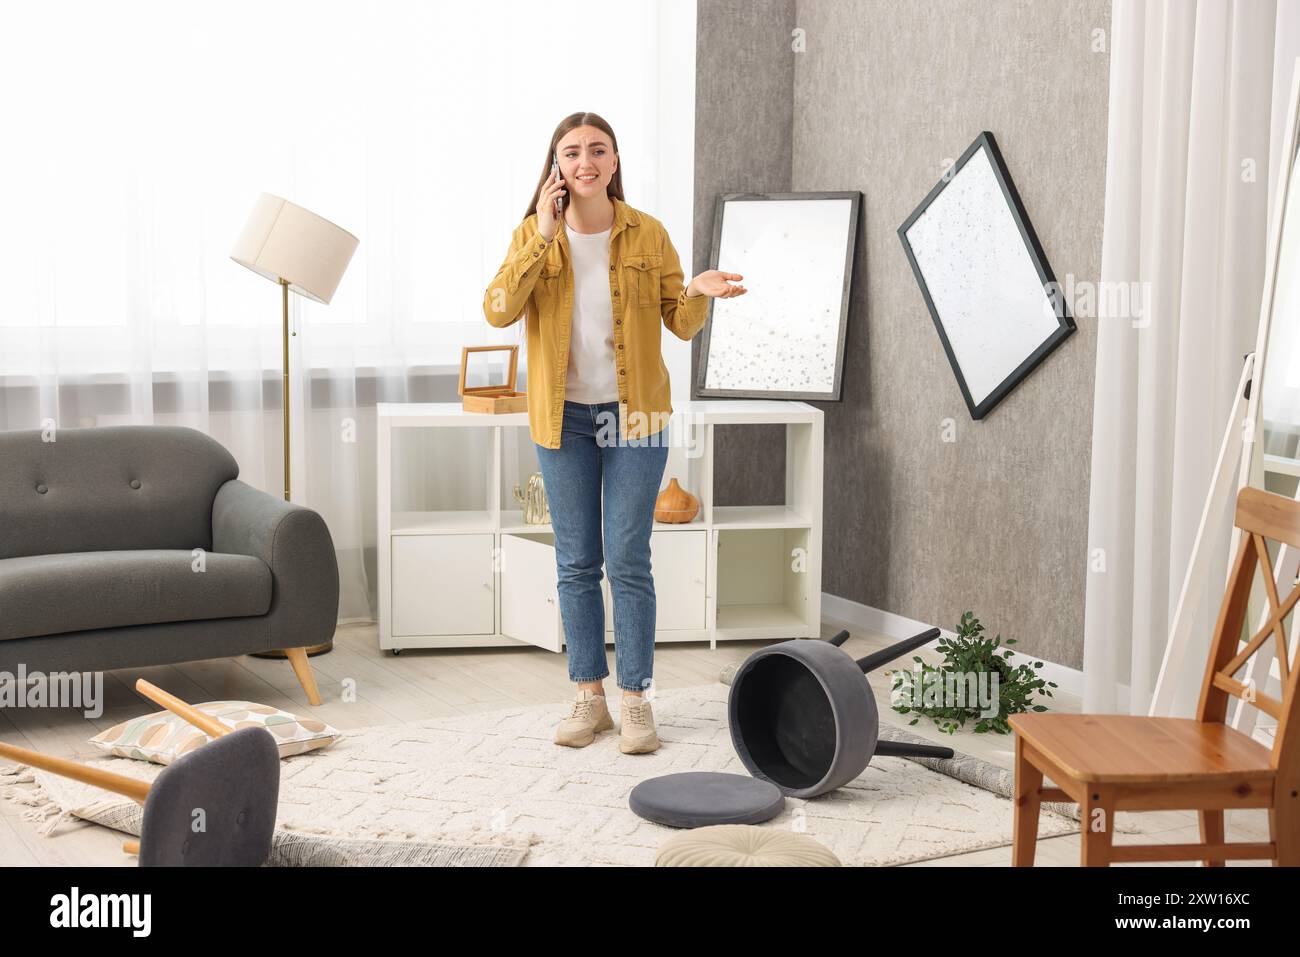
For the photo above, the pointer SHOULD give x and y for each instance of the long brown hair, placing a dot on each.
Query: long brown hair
(572, 121)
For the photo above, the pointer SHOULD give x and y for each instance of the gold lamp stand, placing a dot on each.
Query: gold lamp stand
(328, 646)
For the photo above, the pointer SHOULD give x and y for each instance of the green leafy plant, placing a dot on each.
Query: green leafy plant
(970, 652)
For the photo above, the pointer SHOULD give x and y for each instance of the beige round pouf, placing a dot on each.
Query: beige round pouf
(743, 845)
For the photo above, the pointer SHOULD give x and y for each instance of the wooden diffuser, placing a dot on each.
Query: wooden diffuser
(675, 504)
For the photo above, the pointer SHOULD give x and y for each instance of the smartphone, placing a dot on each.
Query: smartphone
(559, 200)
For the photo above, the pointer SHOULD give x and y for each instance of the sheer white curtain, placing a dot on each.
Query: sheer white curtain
(1280, 400)
(138, 135)
(1193, 143)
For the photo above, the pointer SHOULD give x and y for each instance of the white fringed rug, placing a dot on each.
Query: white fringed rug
(494, 790)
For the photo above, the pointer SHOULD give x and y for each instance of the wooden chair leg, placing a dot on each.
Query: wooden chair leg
(1097, 820)
(133, 788)
(1212, 833)
(1284, 827)
(1024, 817)
(302, 668)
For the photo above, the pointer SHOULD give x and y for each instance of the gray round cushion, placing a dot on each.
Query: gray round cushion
(704, 798)
(741, 845)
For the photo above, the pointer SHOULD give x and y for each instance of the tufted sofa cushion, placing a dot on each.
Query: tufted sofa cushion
(52, 594)
(109, 488)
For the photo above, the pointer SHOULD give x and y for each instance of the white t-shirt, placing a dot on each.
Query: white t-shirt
(592, 374)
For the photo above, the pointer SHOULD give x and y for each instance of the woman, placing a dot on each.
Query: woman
(596, 280)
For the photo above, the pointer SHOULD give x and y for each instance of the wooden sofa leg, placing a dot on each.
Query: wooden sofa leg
(1024, 816)
(302, 668)
(1212, 833)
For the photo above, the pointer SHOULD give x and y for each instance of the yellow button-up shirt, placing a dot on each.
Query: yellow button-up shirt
(646, 288)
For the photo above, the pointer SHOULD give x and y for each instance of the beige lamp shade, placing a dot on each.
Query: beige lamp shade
(282, 240)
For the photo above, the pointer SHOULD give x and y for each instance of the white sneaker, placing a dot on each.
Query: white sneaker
(637, 733)
(590, 714)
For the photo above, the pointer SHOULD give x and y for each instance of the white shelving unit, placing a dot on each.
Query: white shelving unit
(458, 567)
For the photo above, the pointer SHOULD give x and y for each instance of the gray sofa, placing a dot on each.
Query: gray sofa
(138, 545)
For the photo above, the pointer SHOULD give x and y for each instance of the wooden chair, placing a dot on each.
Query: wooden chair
(200, 719)
(1106, 763)
(234, 779)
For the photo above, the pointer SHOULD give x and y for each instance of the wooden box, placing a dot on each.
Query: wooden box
(492, 399)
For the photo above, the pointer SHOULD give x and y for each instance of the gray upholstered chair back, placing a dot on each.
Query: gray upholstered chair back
(109, 488)
(235, 781)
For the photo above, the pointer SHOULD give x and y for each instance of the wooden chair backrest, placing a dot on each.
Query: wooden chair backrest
(1262, 517)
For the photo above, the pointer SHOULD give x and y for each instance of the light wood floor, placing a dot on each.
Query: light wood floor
(428, 684)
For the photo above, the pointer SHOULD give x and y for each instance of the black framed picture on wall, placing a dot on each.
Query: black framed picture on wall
(986, 282)
(784, 339)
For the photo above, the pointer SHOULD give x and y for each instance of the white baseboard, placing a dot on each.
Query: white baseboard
(1069, 680)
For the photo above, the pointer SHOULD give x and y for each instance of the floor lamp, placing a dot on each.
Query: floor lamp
(302, 252)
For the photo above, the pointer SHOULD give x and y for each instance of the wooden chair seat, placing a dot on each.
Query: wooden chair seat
(1110, 762)
(1133, 749)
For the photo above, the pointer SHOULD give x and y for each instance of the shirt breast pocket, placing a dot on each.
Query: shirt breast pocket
(641, 275)
(548, 283)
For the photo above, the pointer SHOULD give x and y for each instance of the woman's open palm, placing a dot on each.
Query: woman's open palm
(718, 284)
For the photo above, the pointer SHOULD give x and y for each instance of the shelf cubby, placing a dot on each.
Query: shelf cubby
(793, 498)
(763, 584)
(518, 462)
(441, 480)
(690, 462)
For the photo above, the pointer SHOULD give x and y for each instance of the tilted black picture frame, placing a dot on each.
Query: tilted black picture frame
(1051, 289)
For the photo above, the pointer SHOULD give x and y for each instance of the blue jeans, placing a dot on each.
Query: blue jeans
(593, 459)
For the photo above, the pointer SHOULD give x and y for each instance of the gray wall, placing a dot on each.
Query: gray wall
(996, 521)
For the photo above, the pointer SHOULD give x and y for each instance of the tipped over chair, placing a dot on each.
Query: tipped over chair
(235, 785)
(129, 546)
(231, 784)
(803, 716)
(1109, 763)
